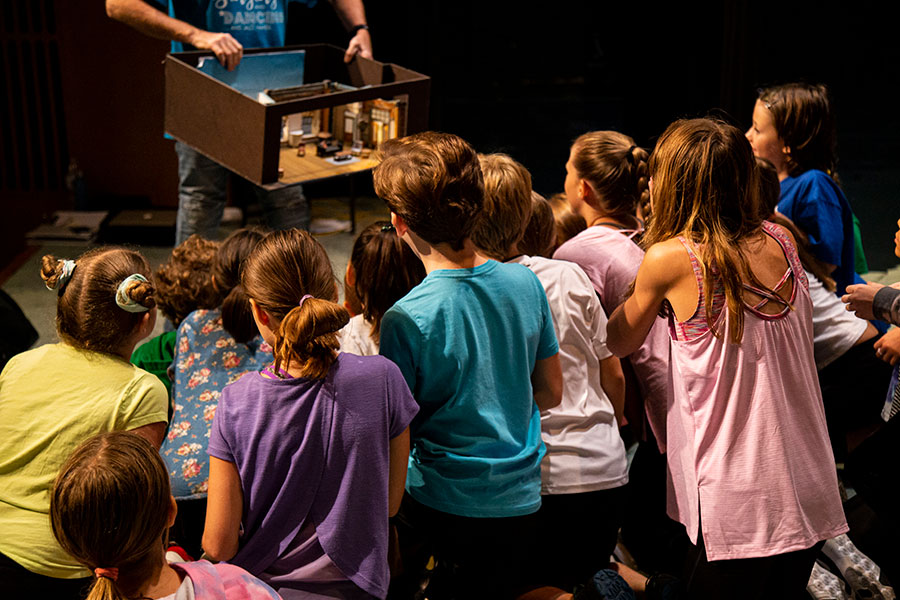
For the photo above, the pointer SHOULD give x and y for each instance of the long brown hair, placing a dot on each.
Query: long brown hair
(237, 319)
(109, 509)
(386, 269)
(616, 169)
(87, 315)
(705, 188)
(285, 267)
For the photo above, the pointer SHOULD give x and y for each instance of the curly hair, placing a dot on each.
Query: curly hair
(184, 283)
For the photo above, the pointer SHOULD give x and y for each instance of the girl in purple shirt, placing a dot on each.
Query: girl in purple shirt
(307, 457)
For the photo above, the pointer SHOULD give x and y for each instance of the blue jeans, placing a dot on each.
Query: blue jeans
(203, 188)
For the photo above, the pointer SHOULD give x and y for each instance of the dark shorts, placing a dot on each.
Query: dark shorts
(475, 557)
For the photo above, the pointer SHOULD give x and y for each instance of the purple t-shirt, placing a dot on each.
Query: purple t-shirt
(316, 449)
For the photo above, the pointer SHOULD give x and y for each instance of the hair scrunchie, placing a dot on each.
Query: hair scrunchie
(123, 300)
(111, 573)
(304, 299)
(68, 267)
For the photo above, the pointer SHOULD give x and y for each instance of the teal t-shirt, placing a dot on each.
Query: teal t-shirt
(466, 340)
(255, 24)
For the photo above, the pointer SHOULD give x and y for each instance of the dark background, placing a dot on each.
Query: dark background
(505, 76)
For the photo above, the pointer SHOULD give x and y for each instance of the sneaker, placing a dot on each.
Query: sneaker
(858, 570)
(825, 585)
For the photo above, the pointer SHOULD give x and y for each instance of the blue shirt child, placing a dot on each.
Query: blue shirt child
(466, 340)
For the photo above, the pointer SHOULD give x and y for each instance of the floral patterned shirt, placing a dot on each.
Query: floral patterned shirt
(207, 359)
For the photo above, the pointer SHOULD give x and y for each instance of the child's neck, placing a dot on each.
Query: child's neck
(442, 256)
(615, 222)
(164, 583)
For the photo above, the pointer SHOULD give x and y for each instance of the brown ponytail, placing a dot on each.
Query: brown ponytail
(283, 268)
(51, 270)
(86, 312)
(616, 170)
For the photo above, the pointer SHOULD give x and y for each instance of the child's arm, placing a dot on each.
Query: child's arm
(224, 506)
(546, 380)
(612, 380)
(665, 266)
(399, 459)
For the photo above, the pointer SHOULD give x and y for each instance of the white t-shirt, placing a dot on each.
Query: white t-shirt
(584, 450)
(835, 330)
(356, 337)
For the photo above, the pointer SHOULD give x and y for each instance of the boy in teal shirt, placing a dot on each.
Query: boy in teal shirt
(476, 344)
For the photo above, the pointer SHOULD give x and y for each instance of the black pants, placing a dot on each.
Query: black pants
(18, 582)
(853, 391)
(476, 557)
(658, 543)
(577, 533)
(779, 577)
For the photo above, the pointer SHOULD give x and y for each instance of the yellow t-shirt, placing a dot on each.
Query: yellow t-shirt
(53, 398)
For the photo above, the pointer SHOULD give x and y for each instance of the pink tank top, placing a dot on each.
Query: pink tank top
(748, 451)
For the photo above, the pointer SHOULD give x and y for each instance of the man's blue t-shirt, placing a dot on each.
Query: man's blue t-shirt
(466, 340)
(817, 205)
(253, 23)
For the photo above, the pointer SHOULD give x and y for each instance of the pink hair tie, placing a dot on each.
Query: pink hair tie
(304, 299)
(111, 573)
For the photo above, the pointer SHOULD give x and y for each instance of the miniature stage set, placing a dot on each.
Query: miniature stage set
(293, 114)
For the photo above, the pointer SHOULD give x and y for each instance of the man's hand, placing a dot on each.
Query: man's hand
(859, 299)
(153, 22)
(227, 49)
(888, 347)
(360, 44)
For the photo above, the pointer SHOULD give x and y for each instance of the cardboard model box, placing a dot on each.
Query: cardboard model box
(243, 130)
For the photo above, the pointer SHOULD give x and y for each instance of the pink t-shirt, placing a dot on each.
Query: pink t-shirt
(611, 259)
(748, 451)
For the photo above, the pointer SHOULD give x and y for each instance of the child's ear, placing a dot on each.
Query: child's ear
(147, 323)
(399, 224)
(261, 315)
(173, 512)
(350, 275)
(585, 191)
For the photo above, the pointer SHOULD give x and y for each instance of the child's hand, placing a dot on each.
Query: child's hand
(859, 298)
(897, 240)
(888, 347)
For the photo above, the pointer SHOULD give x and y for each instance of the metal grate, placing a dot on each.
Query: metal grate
(32, 123)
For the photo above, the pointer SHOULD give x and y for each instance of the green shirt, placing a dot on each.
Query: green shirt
(156, 355)
(52, 399)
